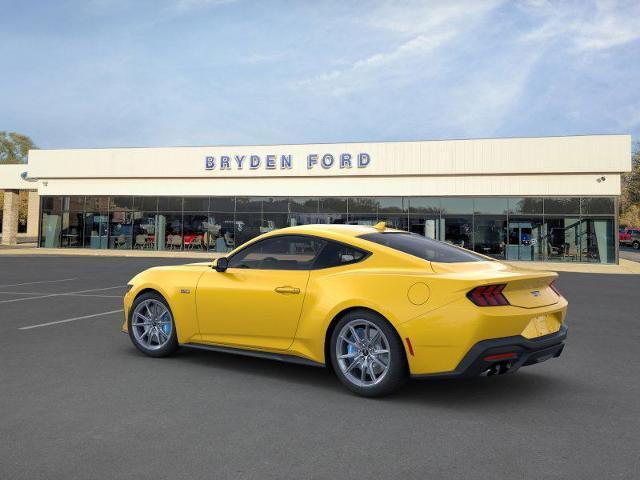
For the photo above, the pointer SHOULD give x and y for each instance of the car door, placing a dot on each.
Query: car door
(256, 302)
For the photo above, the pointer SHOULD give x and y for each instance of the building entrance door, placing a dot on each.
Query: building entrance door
(525, 239)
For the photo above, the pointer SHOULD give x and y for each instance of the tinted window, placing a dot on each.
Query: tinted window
(285, 252)
(423, 247)
(335, 254)
(598, 205)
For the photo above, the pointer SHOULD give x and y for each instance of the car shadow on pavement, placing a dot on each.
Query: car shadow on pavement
(523, 388)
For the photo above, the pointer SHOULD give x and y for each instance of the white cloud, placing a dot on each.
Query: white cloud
(601, 26)
(364, 72)
(419, 16)
(423, 28)
(196, 4)
(479, 105)
(264, 57)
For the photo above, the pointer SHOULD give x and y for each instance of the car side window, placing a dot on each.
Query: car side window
(284, 252)
(335, 254)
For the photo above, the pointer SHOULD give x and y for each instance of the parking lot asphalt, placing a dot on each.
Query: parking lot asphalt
(630, 253)
(78, 401)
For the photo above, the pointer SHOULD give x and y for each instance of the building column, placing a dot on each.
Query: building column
(10, 217)
(33, 213)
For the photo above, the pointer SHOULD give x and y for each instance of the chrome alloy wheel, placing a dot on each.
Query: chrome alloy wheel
(151, 323)
(362, 352)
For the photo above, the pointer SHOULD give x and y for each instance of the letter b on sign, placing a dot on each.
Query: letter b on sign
(209, 163)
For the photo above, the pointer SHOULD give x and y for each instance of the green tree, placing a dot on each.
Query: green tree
(14, 147)
(630, 198)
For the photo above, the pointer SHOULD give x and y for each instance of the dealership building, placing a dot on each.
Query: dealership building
(531, 199)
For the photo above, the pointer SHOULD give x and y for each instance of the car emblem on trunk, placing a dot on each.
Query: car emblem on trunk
(536, 293)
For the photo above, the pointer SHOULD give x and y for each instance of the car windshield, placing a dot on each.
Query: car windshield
(422, 247)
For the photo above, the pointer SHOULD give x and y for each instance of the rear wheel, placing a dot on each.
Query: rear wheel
(151, 326)
(367, 355)
(636, 245)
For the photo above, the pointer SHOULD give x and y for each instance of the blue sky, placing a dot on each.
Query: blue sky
(102, 73)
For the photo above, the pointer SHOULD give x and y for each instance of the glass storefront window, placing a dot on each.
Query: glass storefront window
(525, 206)
(424, 205)
(96, 230)
(597, 240)
(562, 239)
(457, 206)
(533, 228)
(51, 224)
(395, 205)
(170, 204)
(195, 231)
(222, 204)
(303, 205)
(562, 205)
(120, 203)
(168, 231)
(273, 221)
(275, 204)
(332, 218)
(490, 206)
(490, 236)
(332, 205)
(363, 219)
(597, 206)
(431, 226)
(145, 204)
(458, 230)
(96, 204)
(120, 230)
(303, 219)
(196, 204)
(72, 222)
(401, 222)
(248, 204)
(362, 205)
(246, 227)
(144, 230)
(220, 232)
(96, 222)
(525, 239)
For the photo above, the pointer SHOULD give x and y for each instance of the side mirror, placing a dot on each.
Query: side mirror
(221, 264)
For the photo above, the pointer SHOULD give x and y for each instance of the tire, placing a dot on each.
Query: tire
(151, 326)
(359, 363)
(636, 245)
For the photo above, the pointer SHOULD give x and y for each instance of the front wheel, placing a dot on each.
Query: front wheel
(151, 326)
(636, 245)
(367, 355)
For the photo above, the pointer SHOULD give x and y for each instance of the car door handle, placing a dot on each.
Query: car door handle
(287, 289)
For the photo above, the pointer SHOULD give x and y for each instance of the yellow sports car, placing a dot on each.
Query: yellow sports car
(376, 305)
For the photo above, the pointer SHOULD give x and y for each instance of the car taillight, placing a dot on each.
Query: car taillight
(488, 296)
(553, 287)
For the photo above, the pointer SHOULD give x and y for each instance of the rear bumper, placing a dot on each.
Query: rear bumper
(526, 352)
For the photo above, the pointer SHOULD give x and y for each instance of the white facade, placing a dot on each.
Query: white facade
(488, 167)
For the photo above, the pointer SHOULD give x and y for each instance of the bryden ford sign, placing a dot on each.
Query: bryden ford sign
(286, 162)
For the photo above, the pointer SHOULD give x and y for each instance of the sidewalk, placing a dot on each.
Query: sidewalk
(626, 267)
(32, 250)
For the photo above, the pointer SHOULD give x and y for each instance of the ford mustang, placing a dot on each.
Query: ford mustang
(375, 305)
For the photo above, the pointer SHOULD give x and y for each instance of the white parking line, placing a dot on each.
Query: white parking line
(59, 294)
(41, 281)
(29, 327)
